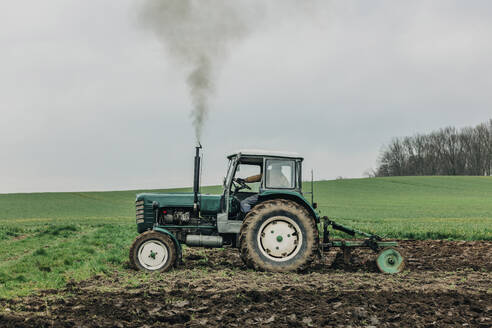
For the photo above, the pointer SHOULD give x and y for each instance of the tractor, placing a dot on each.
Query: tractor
(269, 220)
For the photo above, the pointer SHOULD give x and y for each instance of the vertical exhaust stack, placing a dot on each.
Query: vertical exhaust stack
(196, 179)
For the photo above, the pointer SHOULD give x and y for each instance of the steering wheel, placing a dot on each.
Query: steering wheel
(242, 185)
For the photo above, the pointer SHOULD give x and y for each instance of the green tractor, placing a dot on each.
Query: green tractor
(261, 211)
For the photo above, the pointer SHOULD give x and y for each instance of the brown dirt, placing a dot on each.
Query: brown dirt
(446, 284)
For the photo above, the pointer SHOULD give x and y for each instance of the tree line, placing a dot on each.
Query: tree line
(449, 151)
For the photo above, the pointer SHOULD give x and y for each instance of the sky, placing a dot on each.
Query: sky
(90, 99)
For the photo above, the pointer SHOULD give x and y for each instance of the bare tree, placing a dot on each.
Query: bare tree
(447, 151)
(489, 169)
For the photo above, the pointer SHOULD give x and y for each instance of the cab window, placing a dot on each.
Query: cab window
(280, 174)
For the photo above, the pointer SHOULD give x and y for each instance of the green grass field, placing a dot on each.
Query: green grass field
(46, 239)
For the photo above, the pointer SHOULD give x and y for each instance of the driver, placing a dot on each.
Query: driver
(250, 201)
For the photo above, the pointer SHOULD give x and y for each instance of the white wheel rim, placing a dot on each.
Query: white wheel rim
(279, 238)
(153, 254)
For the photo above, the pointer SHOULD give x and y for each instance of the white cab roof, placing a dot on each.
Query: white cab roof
(262, 152)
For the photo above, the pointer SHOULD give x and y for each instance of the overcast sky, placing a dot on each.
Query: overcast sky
(90, 100)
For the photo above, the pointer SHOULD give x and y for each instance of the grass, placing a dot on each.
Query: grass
(412, 207)
(47, 239)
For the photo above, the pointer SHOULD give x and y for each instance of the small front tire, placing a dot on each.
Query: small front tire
(153, 252)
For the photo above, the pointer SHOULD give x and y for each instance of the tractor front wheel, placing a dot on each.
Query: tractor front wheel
(152, 251)
(278, 235)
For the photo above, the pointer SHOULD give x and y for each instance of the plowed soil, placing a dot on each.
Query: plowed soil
(445, 284)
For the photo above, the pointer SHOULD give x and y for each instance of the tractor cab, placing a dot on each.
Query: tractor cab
(254, 174)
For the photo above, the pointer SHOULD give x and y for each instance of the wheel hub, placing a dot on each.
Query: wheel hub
(280, 238)
(153, 254)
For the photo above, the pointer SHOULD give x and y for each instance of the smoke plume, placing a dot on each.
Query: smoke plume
(197, 34)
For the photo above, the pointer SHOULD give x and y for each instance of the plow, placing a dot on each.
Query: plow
(262, 211)
(388, 259)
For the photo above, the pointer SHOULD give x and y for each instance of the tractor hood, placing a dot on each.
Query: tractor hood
(167, 200)
(208, 203)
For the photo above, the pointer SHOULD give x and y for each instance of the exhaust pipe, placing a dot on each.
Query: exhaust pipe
(196, 179)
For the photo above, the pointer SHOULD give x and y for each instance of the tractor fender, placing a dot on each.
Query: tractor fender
(293, 196)
(179, 249)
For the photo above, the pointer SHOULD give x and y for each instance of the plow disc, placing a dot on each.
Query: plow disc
(389, 260)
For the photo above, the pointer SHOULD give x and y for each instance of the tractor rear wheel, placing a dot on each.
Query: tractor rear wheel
(278, 235)
(152, 251)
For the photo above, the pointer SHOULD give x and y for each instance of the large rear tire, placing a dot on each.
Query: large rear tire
(152, 251)
(278, 235)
